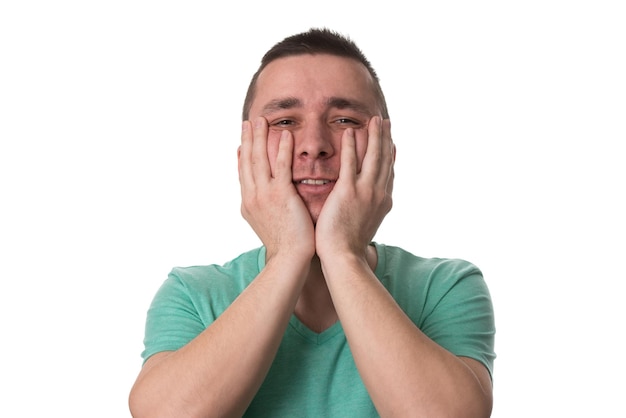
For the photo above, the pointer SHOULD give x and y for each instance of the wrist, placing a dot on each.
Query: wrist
(345, 263)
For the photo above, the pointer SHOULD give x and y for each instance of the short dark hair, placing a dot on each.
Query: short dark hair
(315, 41)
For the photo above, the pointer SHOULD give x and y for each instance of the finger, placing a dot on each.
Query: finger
(284, 158)
(260, 165)
(388, 151)
(373, 154)
(348, 168)
(392, 176)
(244, 152)
(388, 158)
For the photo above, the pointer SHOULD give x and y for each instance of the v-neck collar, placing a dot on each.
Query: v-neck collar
(312, 336)
(335, 329)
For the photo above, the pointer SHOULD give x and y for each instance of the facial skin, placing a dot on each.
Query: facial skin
(316, 98)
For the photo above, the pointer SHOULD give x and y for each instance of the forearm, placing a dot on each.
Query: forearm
(405, 372)
(220, 371)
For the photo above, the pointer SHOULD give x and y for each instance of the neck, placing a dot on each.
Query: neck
(315, 307)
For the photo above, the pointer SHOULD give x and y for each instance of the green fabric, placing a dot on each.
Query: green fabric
(314, 375)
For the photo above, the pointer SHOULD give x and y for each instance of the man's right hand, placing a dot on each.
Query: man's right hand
(269, 200)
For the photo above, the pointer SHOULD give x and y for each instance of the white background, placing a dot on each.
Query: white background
(119, 124)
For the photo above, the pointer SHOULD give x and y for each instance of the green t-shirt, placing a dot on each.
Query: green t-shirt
(314, 375)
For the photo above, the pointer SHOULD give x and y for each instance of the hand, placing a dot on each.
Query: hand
(359, 201)
(269, 201)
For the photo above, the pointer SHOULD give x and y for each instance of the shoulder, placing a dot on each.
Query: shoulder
(241, 269)
(422, 283)
(395, 259)
(204, 290)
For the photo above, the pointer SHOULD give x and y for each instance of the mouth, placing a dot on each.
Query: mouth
(314, 182)
(311, 187)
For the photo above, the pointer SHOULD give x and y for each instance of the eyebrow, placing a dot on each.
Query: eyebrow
(281, 104)
(333, 102)
(343, 103)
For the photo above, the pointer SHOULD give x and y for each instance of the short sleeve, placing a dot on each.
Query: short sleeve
(172, 319)
(459, 313)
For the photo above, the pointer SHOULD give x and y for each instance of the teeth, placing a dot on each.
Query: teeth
(316, 182)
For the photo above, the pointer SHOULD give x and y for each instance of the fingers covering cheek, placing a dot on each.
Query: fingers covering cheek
(283, 155)
(375, 125)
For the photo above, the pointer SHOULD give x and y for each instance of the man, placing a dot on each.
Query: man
(321, 320)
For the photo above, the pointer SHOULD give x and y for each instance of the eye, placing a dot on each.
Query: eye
(283, 122)
(346, 121)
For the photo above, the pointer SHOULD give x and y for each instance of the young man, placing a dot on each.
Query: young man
(320, 321)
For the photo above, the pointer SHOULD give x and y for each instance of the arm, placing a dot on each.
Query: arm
(219, 372)
(405, 372)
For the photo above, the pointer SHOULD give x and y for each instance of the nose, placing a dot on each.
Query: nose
(314, 140)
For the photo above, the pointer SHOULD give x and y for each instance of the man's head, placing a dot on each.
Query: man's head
(315, 86)
(313, 42)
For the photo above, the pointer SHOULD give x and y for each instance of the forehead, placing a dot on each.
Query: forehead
(313, 79)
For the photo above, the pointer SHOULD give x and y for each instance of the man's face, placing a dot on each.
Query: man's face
(315, 97)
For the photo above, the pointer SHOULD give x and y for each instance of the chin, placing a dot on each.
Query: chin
(315, 209)
(315, 214)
